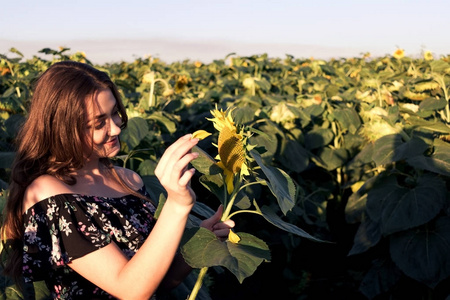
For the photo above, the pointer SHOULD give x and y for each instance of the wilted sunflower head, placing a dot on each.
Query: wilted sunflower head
(231, 145)
(231, 150)
(375, 126)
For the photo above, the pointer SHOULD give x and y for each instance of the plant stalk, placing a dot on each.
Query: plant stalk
(198, 283)
(152, 88)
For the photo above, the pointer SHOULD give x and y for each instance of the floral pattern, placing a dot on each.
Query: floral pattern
(65, 227)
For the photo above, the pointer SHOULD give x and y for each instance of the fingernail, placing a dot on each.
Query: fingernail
(195, 140)
(187, 136)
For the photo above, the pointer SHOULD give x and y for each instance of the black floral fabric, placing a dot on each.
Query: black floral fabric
(65, 227)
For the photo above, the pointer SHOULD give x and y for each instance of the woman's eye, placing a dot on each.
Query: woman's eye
(100, 125)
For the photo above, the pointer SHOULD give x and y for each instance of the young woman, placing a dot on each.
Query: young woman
(73, 219)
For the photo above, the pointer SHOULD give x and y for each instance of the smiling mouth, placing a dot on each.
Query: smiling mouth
(112, 142)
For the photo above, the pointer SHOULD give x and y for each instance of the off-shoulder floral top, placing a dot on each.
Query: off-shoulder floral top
(65, 227)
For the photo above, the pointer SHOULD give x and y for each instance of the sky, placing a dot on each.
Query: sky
(113, 30)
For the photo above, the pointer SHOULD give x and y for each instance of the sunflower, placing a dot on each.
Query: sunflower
(231, 145)
(399, 53)
(427, 55)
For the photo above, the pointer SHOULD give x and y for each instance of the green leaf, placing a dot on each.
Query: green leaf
(161, 202)
(362, 157)
(215, 184)
(147, 167)
(244, 115)
(201, 248)
(135, 132)
(391, 148)
(202, 209)
(267, 140)
(14, 50)
(314, 110)
(204, 163)
(438, 162)
(433, 126)
(161, 119)
(432, 104)
(380, 279)
(318, 138)
(154, 187)
(423, 253)
(48, 51)
(348, 118)
(398, 208)
(275, 220)
(293, 156)
(328, 69)
(8, 92)
(387, 149)
(331, 159)
(279, 183)
(356, 203)
(439, 66)
(36, 291)
(263, 84)
(367, 236)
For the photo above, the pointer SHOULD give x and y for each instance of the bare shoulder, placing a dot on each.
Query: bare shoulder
(131, 178)
(42, 188)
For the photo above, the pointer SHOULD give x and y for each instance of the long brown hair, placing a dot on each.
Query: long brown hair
(51, 141)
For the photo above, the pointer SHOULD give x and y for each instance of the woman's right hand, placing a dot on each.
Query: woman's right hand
(173, 173)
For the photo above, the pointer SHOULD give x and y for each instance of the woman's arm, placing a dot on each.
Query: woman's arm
(138, 278)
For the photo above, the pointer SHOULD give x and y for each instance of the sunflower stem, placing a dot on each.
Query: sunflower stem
(233, 195)
(150, 99)
(198, 283)
(244, 211)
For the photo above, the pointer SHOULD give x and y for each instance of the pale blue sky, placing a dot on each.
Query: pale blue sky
(347, 27)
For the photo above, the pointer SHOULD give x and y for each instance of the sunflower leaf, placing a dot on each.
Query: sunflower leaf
(422, 253)
(201, 248)
(135, 132)
(204, 163)
(280, 184)
(275, 220)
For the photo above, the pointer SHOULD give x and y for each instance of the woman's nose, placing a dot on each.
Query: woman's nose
(114, 128)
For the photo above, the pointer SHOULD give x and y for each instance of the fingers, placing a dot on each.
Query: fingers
(222, 234)
(228, 224)
(173, 173)
(222, 229)
(186, 177)
(211, 221)
(174, 153)
(219, 228)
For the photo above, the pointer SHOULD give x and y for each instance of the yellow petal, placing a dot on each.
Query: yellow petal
(233, 237)
(229, 177)
(200, 134)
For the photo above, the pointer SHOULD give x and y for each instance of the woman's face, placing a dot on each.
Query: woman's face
(103, 125)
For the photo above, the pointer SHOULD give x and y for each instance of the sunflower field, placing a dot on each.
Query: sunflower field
(336, 172)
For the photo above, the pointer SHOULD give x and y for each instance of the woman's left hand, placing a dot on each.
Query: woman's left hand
(219, 228)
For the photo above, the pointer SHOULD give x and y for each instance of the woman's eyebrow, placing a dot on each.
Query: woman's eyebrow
(102, 116)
